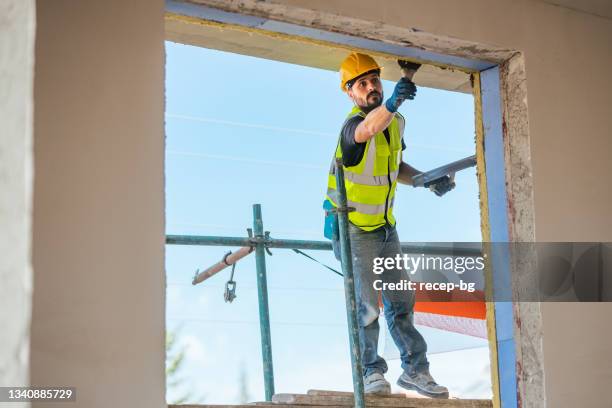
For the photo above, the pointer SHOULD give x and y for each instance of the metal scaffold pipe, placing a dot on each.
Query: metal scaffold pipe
(247, 241)
(349, 286)
(262, 294)
(260, 241)
(457, 249)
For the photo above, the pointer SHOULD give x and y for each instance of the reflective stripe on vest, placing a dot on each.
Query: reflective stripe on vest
(371, 183)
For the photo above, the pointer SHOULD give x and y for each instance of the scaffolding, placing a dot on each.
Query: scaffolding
(260, 241)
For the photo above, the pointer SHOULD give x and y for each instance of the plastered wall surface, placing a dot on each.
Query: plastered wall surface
(297, 51)
(567, 55)
(17, 20)
(98, 244)
(577, 354)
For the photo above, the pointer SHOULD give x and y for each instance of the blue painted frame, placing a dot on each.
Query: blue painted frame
(499, 230)
(493, 148)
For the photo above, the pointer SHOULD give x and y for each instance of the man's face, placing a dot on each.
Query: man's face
(367, 92)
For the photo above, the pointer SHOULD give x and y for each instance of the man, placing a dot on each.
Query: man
(371, 145)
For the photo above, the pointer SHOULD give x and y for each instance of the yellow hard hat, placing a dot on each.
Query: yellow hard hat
(355, 65)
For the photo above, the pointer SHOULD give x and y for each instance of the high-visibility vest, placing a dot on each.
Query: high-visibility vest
(371, 184)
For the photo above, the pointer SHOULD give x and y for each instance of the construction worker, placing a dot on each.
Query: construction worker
(370, 146)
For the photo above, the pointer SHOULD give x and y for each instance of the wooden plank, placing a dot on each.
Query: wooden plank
(378, 401)
(350, 394)
(265, 404)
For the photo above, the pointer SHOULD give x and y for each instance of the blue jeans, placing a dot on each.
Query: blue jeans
(398, 305)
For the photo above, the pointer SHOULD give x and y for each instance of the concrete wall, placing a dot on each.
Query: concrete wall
(98, 245)
(17, 19)
(567, 59)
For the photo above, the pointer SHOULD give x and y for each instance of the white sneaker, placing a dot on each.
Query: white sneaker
(376, 384)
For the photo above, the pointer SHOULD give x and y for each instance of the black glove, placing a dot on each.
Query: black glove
(410, 66)
(404, 89)
(441, 186)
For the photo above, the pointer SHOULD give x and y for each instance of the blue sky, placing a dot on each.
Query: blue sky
(243, 130)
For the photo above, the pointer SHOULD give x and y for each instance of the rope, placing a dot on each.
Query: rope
(297, 251)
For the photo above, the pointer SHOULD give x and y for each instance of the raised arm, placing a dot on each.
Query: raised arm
(376, 121)
(379, 118)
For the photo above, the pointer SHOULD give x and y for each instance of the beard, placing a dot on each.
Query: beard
(372, 101)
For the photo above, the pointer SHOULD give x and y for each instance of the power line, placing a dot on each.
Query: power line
(301, 324)
(254, 322)
(253, 287)
(302, 131)
(443, 351)
(438, 147)
(300, 233)
(247, 160)
(247, 125)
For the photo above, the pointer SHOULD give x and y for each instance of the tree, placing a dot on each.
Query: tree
(175, 359)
